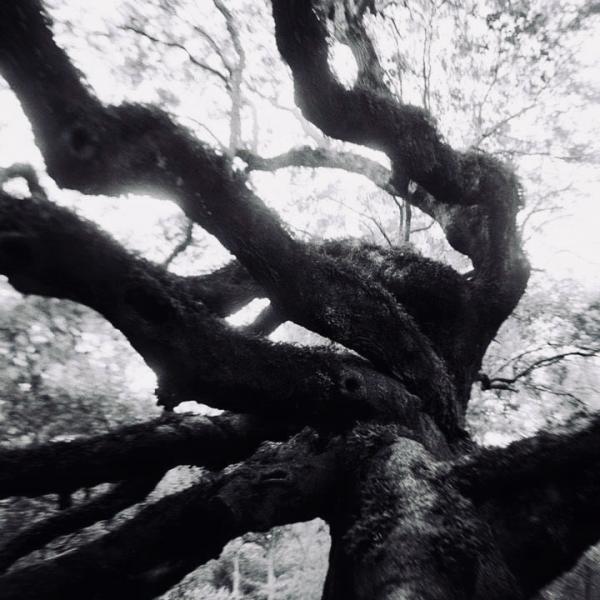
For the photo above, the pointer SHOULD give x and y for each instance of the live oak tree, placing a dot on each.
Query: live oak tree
(372, 439)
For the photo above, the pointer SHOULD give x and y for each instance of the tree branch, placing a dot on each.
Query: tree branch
(306, 156)
(134, 452)
(282, 484)
(488, 383)
(172, 44)
(106, 505)
(107, 150)
(181, 246)
(473, 196)
(540, 497)
(195, 355)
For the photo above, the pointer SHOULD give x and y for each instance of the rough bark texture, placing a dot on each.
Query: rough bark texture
(415, 510)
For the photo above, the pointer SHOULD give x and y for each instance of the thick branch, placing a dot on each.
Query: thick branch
(105, 506)
(134, 452)
(289, 483)
(108, 150)
(471, 195)
(195, 355)
(540, 497)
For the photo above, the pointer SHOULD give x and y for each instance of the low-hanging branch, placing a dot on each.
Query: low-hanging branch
(104, 506)
(135, 451)
(283, 483)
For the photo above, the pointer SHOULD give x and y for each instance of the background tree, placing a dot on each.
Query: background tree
(414, 507)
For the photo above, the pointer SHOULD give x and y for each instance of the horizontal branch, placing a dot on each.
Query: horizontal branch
(150, 552)
(490, 383)
(540, 496)
(306, 156)
(134, 451)
(105, 506)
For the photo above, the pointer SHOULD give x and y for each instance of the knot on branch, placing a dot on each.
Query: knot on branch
(82, 143)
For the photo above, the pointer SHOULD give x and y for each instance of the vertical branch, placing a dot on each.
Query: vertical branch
(236, 71)
(407, 222)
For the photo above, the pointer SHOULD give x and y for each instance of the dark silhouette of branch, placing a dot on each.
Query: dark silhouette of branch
(182, 246)
(106, 505)
(173, 44)
(135, 452)
(505, 383)
(283, 483)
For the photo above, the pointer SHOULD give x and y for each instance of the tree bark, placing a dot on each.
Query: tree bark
(416, 511)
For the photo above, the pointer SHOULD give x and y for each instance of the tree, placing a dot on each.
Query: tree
(369, 435)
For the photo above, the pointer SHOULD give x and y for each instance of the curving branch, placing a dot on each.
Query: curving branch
(98, 149)
(474, 197)
(195, 355)
(306, 156)
(26, 172)
(153, 550)
(505, 383)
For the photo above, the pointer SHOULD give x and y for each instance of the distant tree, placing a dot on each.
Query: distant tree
(368, 433)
